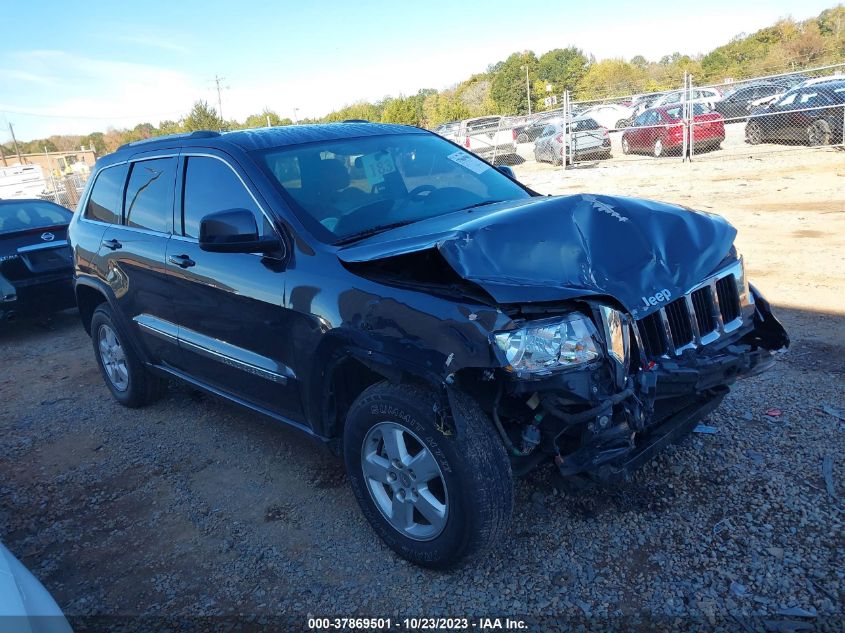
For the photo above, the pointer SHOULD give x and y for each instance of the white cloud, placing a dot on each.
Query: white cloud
(92, 94)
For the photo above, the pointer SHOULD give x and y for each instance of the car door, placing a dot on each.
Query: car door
(635, 133)
(777, 120)
(229, 307)
(132, 254)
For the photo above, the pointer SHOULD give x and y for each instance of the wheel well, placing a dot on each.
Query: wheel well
(349, 377)
(87, 300)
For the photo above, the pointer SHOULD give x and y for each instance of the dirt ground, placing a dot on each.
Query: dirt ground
(192, 507)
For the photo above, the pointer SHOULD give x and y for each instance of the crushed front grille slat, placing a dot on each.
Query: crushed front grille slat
(703, 303)
(679, 331)
(728, 298)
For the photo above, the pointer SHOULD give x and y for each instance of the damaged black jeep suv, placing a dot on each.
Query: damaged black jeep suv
(440, 325)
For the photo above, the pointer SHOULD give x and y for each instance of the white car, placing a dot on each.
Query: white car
(25, 605)
(707, 96)
(610, 115)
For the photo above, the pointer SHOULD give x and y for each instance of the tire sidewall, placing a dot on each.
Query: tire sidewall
(133, 395)
(460, 523)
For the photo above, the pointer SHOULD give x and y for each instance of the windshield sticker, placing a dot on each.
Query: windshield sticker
(469, 161)
(377, 166)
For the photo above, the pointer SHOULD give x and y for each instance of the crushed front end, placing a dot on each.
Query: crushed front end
(629, 386)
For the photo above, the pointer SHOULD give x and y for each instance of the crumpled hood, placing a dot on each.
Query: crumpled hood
(557, 248)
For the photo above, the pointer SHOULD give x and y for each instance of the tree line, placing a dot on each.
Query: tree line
(785, 46)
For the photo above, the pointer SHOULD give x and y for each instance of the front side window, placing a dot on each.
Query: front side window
(348, 187)
(107, 195)
(212, 186)
(149, 194)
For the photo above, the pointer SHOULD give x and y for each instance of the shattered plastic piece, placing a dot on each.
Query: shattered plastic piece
(755, 457)
(703, 428)
(774, 412)
(787, 626)
(827, 473)
(836, 413)
(450, 358)
(797, 612)
(738, 589)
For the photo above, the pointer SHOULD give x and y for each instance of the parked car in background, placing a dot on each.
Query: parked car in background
(705, 96)
(641, 103)
(35, 259)
(531, 131)
(589, 141)
(737, 104)
(659, 131)
(487, 136)
(20, 182)
(807, 114)
(449, 130)
(25, 605)
(611, 116)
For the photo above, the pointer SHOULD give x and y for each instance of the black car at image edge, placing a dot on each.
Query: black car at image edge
(436, 323)
(36, 270)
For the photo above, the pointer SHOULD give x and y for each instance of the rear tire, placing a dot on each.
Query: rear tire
(626, 148)
(130, 383)
(819, 133)
(463, 506)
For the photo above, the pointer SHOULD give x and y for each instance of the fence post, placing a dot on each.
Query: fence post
(496, 140)
(691, 121)
(568, 156)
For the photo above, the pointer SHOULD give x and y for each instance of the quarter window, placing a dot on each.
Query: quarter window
(212, 186)
(104, 201)
(149, 194)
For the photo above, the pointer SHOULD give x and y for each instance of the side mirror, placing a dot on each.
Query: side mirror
(507, 171)
(234, 231)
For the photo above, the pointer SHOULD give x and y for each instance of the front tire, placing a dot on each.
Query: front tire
(626, 147)
(657, 149)
(435, 494)
(753, 133)
(124, 374)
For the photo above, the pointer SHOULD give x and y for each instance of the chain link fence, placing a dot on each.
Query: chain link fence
(791, 111)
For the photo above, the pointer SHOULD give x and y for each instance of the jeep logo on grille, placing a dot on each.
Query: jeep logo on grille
(48, 237)
(657, 297)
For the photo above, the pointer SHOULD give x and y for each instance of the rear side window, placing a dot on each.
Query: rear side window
(211, 186)
(149, 194)
(104, 202)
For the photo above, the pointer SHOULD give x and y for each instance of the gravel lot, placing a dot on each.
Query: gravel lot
(192, 507)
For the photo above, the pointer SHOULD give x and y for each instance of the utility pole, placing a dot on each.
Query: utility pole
(295, 118)
(15, 141)
(528, 89)
(217, 81)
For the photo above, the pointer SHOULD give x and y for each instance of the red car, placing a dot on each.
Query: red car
(659, 131)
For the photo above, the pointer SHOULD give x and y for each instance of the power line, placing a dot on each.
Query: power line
(88, 118)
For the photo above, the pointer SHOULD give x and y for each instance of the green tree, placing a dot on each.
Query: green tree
(612, 77)
(508, 84)
(564, 68)
(401, 110)
(260, 120)
(202, 117)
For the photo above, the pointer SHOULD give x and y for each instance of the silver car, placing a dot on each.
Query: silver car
(589, 141)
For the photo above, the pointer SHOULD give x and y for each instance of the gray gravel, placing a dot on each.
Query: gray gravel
(193, 507)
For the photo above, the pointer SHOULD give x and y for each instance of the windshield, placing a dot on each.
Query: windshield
(353, 187)
(31, 214)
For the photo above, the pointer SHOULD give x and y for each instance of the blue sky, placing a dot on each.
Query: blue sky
(77, 67)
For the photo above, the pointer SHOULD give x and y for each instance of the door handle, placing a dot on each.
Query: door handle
(183, 261)
(112, 244)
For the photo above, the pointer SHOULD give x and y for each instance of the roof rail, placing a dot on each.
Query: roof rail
(168, 137)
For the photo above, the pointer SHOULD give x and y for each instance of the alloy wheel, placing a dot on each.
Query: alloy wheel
(658, 148)
(405, 481)
(113, 358)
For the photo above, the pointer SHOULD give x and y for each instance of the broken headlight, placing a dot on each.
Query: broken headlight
(541, 347)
